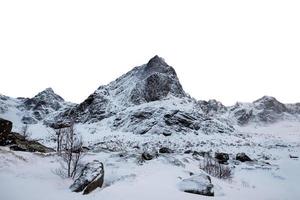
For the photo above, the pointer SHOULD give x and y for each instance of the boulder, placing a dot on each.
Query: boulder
(5, 129)
(91, 177)
(197, 184)
(293, 156)
(222, 157)
(242, 157)
(148, 155)
(20, 143)
(165, 150)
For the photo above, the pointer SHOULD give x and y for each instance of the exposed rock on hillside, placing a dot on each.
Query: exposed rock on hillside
(197, 184)
(91, 177)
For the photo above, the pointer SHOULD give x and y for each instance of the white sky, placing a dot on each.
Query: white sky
(227, 50)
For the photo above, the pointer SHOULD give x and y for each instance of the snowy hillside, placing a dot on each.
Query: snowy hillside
(153, 140)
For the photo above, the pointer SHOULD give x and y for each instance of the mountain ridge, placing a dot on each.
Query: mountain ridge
(152, 95)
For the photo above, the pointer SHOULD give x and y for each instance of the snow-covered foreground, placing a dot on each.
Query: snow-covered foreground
(31, 176)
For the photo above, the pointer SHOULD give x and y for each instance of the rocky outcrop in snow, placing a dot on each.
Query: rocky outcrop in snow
(197, 184)
(91, 177)
(18, 142)
(5, 129)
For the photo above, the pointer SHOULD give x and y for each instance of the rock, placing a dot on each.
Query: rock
(188, 151)
(293, 156)
(222, 157)
(17, 148)
(5, 129)
(197, 184)
(19, 143)
(243, 116)
(91, 177)
(147, 156)
(242, 157)
(212, 107)
(165, 150)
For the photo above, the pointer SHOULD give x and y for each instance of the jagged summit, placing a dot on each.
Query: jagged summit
(48, 93)
(156, 60)
(150, 82)
(270, 103)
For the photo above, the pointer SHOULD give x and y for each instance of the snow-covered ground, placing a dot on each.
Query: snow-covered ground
(32, 176)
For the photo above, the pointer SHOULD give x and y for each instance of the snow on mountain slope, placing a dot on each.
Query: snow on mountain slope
(153, 81)
(144, 110)
(264, 110)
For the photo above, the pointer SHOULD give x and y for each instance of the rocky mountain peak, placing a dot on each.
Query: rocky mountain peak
(42, 104)
(270, 103)
(150, 82)
(156, 61)
(47, 94)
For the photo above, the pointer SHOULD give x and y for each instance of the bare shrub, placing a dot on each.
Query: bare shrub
(25, 132)
(215, 169)
(69, 148)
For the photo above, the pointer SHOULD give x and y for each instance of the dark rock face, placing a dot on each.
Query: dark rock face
(181, 119)
(19, 143)
(5, 129)
(222, 157)
(91, 177)
(212, 107)
(242, 157)
(243, 116)
(150, 82)
(197, 184)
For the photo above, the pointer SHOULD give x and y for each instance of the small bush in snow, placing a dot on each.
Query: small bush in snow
(215, 169)
(69, 148)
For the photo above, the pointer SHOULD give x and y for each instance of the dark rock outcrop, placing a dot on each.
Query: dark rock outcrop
(18, 142)
(165, 150)
(197, 184)
(90, 178)
(212, 107)
(5, 129)
(222, 157)
(242, 157)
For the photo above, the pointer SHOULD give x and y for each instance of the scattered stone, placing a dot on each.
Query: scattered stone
(242, 157)
(147, 156)
(293, 156)
(222, 157)
(188, 151)
(165, 150)
(91, 177)
(197, 184)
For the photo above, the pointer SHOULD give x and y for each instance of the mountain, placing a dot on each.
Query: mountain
(264, 110)
(147, 99)
(153, 81)
(45, 104)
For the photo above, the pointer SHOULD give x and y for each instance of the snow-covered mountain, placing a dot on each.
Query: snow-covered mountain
(264, 110)
(151, 136)
(45, 104)
(147, 99)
